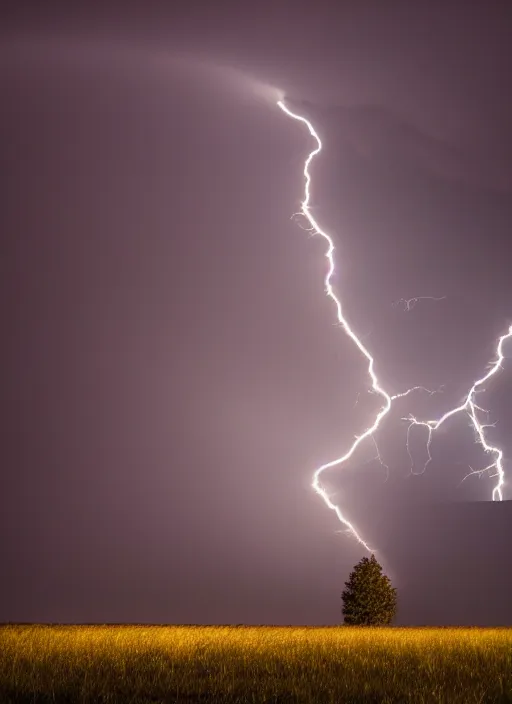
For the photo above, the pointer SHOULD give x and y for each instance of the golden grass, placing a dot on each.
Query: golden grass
(254, 664)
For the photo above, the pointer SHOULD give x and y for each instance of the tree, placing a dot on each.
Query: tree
(369, 598)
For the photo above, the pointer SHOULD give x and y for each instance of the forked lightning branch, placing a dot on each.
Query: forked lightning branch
(470, 407)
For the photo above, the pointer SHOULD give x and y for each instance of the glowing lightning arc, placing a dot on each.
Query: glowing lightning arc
(469, 405)
(376, 388)
(471, 408)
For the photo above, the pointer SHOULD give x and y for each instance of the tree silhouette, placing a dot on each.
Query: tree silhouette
(369, 598)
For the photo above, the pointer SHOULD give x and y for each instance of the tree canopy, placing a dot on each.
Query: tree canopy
(369, 599)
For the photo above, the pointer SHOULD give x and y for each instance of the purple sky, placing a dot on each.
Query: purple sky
(172, 369)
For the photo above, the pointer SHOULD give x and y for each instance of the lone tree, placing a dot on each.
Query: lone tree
(369, 599)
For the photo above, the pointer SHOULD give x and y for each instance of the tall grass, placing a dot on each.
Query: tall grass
(254, 664)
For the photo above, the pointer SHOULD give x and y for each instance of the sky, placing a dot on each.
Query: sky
(172, 370)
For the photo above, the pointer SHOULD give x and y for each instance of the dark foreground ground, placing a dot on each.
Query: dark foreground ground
(253, 664)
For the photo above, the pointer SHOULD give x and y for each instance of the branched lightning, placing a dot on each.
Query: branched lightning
(430, 392)
(410, 303)
(469, 406)
(375, 384)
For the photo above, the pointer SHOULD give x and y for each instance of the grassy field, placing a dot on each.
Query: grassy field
(246, 664)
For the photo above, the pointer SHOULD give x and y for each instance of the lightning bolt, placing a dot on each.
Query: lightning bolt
(469, 406)
(315, 228)
(472, 409)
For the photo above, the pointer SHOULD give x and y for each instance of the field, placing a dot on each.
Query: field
(253, 664)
